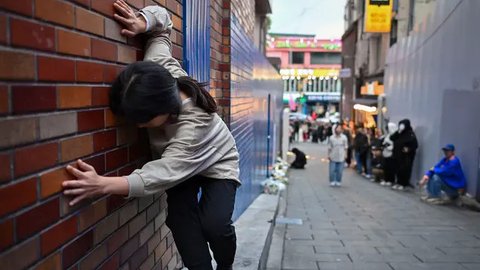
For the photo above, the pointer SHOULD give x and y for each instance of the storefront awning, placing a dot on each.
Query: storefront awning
(365, 101)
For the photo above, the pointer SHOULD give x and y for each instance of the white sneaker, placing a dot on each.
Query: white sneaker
(332, 184)
(383, 183)
(424, 198)
(395, 186)
(400, 188)
(388, 184)
(338, 184)
(434, 201)
(368, 176)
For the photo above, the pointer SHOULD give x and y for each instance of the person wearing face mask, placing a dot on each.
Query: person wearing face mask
(446, 176)
(389, 160)
(404, 150)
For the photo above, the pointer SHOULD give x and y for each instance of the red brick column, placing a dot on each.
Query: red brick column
(57, 59)
(220, 55)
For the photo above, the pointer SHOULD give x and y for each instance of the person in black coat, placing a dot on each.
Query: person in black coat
(300, 159)
(320, 134)
(348, 134)
(361, 147)
(405, 146)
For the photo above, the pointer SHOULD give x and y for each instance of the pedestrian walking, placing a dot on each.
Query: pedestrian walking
(297, 130)
(404, 150)
(389, 160)
(368, 161)
(337, 152)
(360, 145)
(320, 132)
(348, 134)
(313, 130)
(196, 148)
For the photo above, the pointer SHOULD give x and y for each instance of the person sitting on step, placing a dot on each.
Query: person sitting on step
(446, 176)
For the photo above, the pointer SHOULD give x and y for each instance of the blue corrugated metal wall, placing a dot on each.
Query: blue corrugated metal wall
(196, 51)
(252, 80)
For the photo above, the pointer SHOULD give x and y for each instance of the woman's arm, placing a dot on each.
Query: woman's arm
(179, 162)
(156, 23)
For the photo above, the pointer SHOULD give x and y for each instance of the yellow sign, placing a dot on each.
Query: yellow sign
(378, 16)
(317, 72)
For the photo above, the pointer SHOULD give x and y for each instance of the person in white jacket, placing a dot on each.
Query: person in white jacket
(192, 147)
(390, 166)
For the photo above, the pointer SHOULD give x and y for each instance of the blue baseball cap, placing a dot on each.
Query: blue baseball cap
(449, 147)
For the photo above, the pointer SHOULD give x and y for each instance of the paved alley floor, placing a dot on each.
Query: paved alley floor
(363, 225)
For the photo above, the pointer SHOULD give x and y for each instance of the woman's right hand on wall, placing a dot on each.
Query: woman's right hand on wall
(134, 24)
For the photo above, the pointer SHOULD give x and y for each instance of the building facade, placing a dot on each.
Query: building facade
(366, 61)
(57, 61)
(429, 77)
(363, 96)
(309, 68)
(432, 78)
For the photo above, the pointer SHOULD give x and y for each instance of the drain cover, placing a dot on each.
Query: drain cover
(289, 221)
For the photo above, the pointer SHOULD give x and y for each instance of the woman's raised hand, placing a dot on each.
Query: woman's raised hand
(126, 15)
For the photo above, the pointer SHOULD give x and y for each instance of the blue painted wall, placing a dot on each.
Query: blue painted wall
(253, 79)
(196, 29)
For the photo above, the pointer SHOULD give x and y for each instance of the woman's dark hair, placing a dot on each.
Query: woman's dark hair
(145, 90)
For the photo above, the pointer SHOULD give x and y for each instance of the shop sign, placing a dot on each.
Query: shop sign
(307, 44)
(372, 89)
(317, 97)
(311, 97)
(317, 72)
(378, 16)
(345, 73)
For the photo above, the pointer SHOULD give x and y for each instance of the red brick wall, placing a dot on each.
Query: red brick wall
(244, 11)
(57, 59)
(220, 55)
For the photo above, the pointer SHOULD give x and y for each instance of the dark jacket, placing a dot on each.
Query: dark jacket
(360, 143)
(300, 159)
(405, 143)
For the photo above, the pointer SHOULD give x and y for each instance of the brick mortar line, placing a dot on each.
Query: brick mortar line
(75, 5)
(62, 164)
(76, 212)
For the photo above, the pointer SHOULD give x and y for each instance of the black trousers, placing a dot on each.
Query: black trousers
(363, 158)
(194, 223)
(390, 169)
(404, 172)
(348, 159)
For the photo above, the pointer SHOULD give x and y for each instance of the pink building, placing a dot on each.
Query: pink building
(307, 64)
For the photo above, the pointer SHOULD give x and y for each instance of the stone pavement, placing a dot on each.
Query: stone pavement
(363, 225)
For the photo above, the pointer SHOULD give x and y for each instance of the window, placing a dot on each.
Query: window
(297, 58)
(322, 58)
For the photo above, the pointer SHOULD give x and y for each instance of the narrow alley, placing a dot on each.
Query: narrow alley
(363, 225)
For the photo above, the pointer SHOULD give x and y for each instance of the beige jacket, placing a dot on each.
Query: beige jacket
(198, 143)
